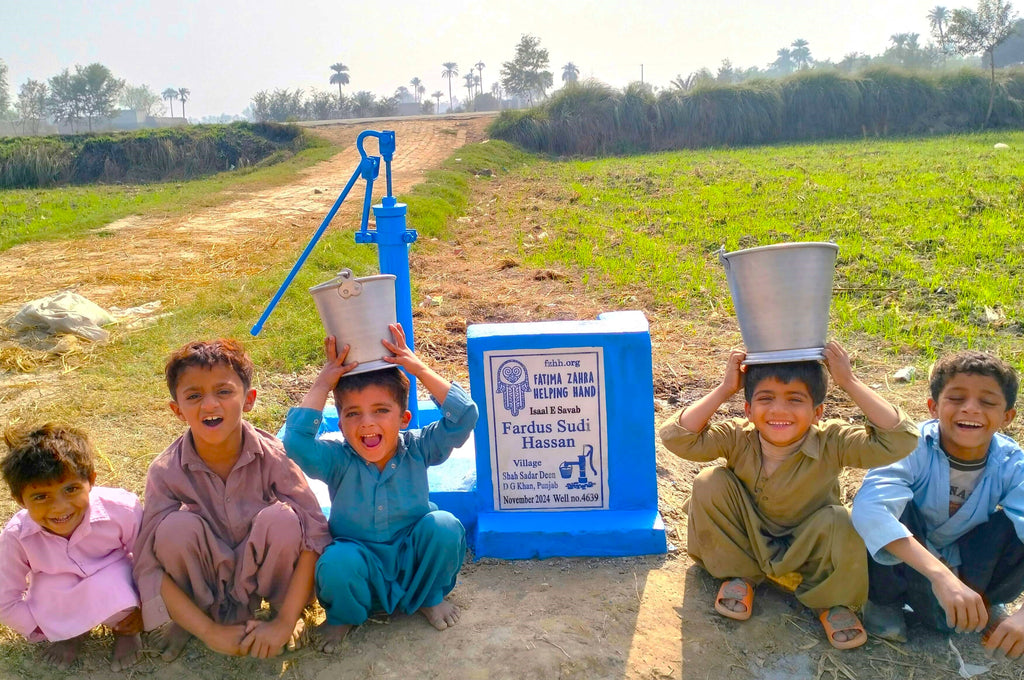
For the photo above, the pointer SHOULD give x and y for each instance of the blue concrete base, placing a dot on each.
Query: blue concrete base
(610, 533)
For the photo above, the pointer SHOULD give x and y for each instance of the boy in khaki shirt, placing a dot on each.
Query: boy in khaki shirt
(774, 508)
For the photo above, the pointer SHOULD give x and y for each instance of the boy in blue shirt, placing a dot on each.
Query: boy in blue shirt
(944, 526)
(393, 549)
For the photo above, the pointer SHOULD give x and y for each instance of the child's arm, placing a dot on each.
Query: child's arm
(881, 413)
(185, 613)
(327, 378)
(267, 639)
(14, 571)
(407, 359)
(688, 434)
(696, 416)
(965, 610)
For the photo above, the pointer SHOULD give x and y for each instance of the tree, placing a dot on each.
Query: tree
(363, 104)
(140, 98)
(784, 63)
(527, 73)
(339, 77)
(480, 69)
(5, 94)
(99, 91)
(451, 69)
(938, 17)
(470, 83)
(417, 88)
(420, 90)
(570, 73)
(183, 93)
(437, 95)
(982, 31)
(496, 91)
(170, 94)
(31, 107)
(260, 105)
(402, 94)
(801, 53)
(726, 73)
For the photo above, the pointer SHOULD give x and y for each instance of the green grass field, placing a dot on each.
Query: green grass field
(931, 256)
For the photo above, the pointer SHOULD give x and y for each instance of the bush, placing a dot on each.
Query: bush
(144, 156)
(591, 118)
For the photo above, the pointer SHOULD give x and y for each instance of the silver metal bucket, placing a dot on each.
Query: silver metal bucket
(782, 295)
(357, 313)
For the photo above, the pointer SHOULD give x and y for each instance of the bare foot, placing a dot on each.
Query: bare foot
(127, 652)
(169, 640)
(441, 616)
(331, 637)
(62, 654)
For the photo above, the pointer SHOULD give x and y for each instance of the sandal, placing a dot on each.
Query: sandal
(739, 590)
(840, 618)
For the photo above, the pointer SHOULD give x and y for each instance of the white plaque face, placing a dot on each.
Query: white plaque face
(548, 429)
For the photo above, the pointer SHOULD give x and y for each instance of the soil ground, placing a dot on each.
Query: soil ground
(638, 618)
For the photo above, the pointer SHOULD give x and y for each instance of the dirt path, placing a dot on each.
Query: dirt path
(637, 618)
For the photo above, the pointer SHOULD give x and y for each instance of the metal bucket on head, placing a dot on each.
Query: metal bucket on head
(782, 295)
(357, 313)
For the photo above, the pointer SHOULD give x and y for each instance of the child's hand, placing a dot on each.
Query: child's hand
(129, 625)
(404, 356)
(335, 367)
(1008, 637)
(265, 639)
(965, 610)
(733, 378)
(225, 639)
(837, 361)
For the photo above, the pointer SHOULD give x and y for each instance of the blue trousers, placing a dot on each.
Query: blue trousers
(992, 564)
(417, 569)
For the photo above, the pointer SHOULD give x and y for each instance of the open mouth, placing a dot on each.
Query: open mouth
(969, 425)
(212, 421)
(371, 441)
(779, 423)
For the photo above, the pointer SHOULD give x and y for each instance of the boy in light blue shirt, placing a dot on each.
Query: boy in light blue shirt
(392, 548)
(944, 526)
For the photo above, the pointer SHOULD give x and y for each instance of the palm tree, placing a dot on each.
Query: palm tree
(938, 17)
(496, 91)
(437, 95)
(451, 69)
(570, 73)
(801, 53)
(339, 77)
(480, 68)
(470, 82)
(416, 88)
(170, 94)
(420, 89)
(183, 93)
(784, 61)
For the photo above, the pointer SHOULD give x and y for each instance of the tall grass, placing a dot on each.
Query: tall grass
(145, 156)
(590, 118)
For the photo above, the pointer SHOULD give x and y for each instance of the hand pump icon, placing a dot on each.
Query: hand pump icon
(565, 469)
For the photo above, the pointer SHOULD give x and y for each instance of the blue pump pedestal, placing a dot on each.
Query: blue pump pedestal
(565, 453)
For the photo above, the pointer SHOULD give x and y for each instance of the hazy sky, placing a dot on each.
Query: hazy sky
(225, 51)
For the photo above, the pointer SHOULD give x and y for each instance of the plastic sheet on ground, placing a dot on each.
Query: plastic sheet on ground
(63, 312)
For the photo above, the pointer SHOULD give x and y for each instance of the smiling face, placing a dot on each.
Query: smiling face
(971, 408)
(371, 420)
(211, 401)
(58, 506)
(782, 412)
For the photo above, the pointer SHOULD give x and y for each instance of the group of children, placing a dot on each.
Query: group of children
(936, 527)
(229, 521)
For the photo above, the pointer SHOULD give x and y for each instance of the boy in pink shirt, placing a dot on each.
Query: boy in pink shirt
(72, 543)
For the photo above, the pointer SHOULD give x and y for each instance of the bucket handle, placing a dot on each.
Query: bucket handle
(348, 287)
(722, 258)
